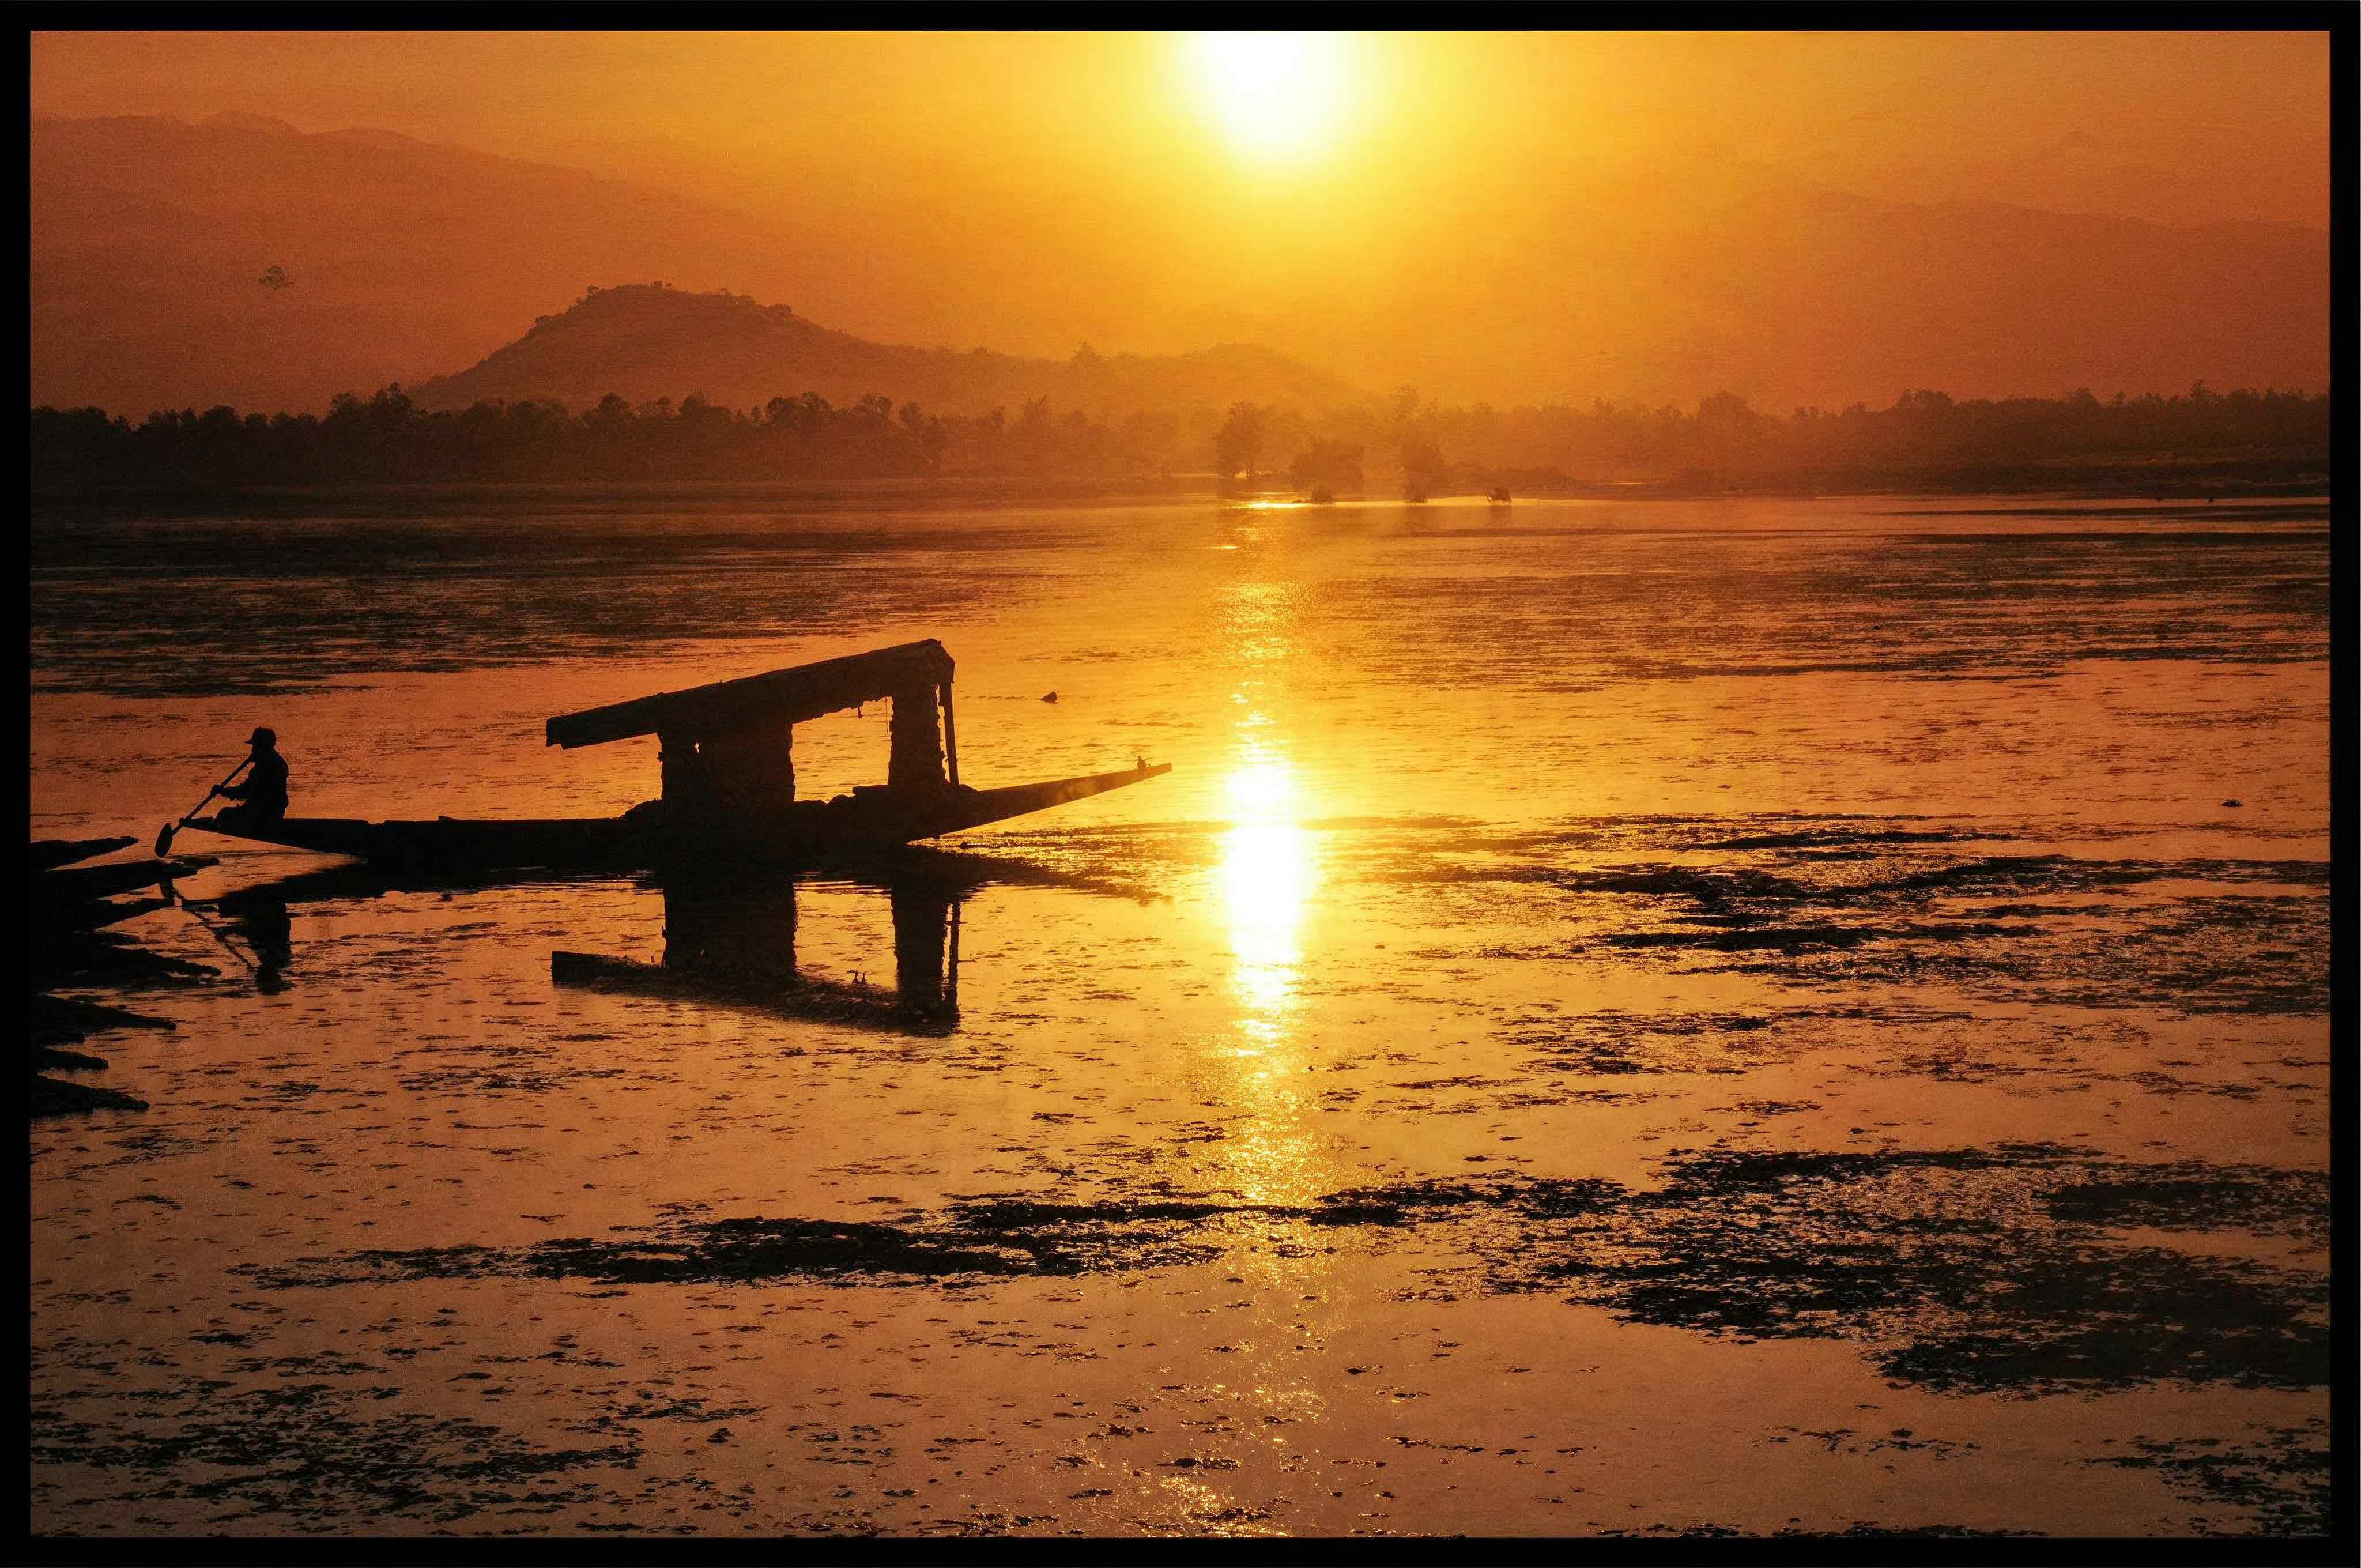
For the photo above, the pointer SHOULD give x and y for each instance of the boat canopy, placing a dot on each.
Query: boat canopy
(730, 747)
(782, 697)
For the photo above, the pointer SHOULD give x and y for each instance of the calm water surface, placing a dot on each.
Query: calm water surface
(1666, 1016)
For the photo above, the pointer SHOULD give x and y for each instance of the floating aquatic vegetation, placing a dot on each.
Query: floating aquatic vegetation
(311, 1454)
(1991, 1269)
(1987, 1269)
(2279, 1474)
(2197, 935)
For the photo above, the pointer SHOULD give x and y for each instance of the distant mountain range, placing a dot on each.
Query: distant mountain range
(401, 260)
(240, 261)
(647, 341)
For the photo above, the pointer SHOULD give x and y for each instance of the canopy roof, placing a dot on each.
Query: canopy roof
(789, 696)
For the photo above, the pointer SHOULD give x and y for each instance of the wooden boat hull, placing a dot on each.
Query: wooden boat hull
(650, 837)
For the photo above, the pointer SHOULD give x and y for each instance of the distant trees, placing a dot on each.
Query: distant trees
(388, 439)
(1239, 441)
(1924, 437)
(1331, 466)
(1148, 438)
(1423, 468)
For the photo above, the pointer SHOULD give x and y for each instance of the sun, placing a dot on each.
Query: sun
(1274, 95)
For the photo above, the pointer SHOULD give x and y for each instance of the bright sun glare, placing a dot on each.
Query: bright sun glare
(1274, 94)
(1262, 790)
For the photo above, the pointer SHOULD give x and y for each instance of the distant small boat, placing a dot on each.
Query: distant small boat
(1501, 495)
(728, 783)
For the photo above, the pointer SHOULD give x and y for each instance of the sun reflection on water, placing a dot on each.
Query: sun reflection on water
(1267, 877)
(1264, 894)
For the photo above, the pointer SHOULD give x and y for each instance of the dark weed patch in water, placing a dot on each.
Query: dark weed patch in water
(1839, 907)
(1715, 888)
(994, 1238)
(311, 1456)
(1965, 1271)
(2280, 1479)
(2255, 956)
(2199, 936)
(999, 1237)
(1815, 939)
(1972, 1271)
(1614, 1043)
(1837, 836)
(1926, 1531)
(2192, 1196)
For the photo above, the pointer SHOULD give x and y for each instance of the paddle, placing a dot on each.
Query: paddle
(164, 834)
(173, 896)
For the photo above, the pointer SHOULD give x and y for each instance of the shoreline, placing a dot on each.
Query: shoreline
(2161, 481)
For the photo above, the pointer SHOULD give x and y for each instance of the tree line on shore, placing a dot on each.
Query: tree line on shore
(1403, 444)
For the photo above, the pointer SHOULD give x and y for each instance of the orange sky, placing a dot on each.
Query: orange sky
(1908, 115)
(1034, 190)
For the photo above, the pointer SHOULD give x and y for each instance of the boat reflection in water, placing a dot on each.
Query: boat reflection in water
(736, 946)
(732, 942)
(728, 940)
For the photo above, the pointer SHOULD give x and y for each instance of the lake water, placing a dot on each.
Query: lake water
(1638, 1018)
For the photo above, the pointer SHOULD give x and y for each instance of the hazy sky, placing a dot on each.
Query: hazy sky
(1911, 116)
(1159, 192)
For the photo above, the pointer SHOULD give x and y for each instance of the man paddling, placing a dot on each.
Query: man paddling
(262, 799)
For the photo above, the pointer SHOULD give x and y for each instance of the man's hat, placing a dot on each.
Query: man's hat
(263, 738)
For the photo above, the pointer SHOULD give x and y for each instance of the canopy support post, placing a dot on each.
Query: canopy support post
(950, 733)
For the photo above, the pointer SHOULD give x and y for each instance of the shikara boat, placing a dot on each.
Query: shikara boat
(726, 754)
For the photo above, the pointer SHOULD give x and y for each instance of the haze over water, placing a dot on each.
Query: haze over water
(1651, 1017)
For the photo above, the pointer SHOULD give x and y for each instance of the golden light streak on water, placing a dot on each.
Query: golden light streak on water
(1267, 877)
(1267, 880)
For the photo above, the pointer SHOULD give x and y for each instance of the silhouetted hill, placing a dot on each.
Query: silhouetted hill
(647, 341)
(150, 236)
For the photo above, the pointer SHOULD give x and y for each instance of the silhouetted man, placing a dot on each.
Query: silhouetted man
(263, 796)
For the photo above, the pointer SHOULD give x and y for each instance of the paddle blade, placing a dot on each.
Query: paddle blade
(164, 840)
